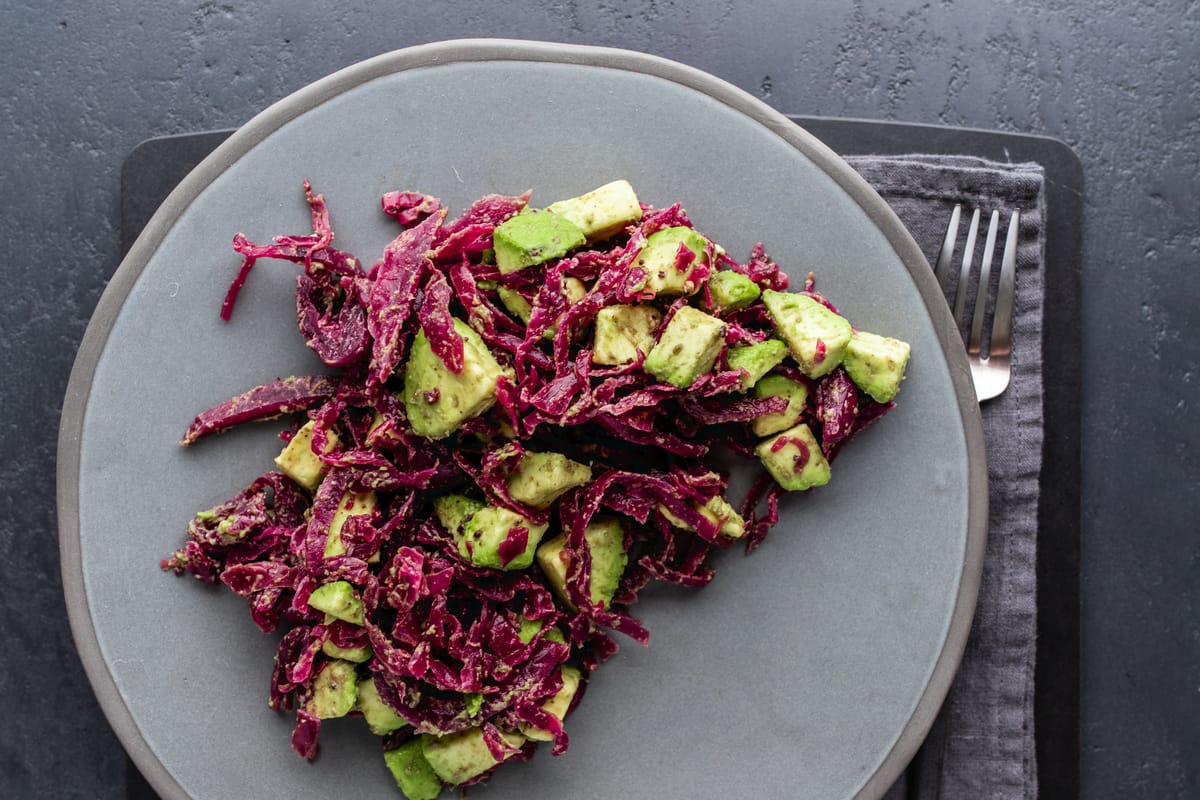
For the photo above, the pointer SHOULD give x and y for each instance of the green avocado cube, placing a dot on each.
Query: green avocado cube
(338, 599)
(776, 421)
(437, 400)
(817, 336)
(299, 462)
(687, 349)
(473, 702)
(359, 655)
(794, 459)
(606, 543)
(383, 432)
(624, 333)
(412, 772)
(452, 510)
(379, 716)
(573, 288)
(876, 364)
(602, 212)
(534, 237)
(756, 360)
(334, 690)
(459, 757)
(352, 504)
(516, 303)
(717, 510)
(659, 258)
(605, 539)
(558, 704)
(529, 628)
(522, 309)
(731, 291)
(554, 561)
(484, 540)
(540, 478)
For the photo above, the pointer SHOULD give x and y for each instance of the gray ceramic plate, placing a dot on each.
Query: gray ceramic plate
(811, 669)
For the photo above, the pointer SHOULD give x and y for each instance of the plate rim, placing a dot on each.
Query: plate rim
(450, 51)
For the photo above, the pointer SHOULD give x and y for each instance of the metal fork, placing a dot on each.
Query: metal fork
(991, 370)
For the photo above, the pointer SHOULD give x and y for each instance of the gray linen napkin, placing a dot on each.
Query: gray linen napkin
(982, 744)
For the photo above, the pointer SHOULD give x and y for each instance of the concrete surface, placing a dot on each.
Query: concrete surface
(84, 82)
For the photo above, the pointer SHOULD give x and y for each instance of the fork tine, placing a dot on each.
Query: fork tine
(981, 296)
(942, 271)
(960, 293)
(1001, 343)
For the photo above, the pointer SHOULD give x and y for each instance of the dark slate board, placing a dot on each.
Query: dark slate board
(156, 166)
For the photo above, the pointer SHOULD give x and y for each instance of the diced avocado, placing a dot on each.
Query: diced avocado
(473, 702)
(554, 560)
(776, 421)
(687, 349)
(505, 428)
(540, 478)
(338, 599)
(606, 545)
(602, 212)
(412, 772)
(558, 704)
(516, 303)
(660, 256)
(437, 400)
(756, 360)
(484, 539)
(383, 432)
(573, 288)
(817, 336)
(452, 510)
(458, 757)
(876, 364)
(731, 291)
(534, 237)
(794, 459)
(334, 690)
(299, 462)
(352, 504)
(359, 655)
(622, 332)
(380, 717)
(719, 511)
(529, 628)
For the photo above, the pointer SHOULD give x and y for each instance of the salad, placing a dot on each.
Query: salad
(516, 436)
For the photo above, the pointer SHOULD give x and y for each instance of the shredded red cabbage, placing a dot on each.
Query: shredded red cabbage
(450, 645)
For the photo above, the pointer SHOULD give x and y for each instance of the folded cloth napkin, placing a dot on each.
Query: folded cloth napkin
(982, 744)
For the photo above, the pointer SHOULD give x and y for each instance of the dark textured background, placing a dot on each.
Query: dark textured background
(81, 84)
